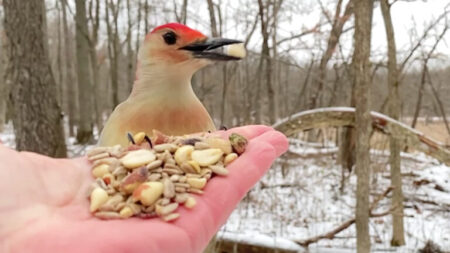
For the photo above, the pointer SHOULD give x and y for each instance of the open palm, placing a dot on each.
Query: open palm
(44, 206)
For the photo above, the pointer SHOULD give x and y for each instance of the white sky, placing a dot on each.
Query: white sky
(405, 15)
(299, 15)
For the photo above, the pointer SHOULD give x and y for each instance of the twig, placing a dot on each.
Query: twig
(348, 223)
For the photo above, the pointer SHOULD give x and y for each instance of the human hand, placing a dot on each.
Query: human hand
(44, 205)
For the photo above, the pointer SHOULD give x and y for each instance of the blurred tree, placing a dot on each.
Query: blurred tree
(37, 117)
(84, 131)
(4, 91)
(94, 20)
(398, 237)
(361, 79)
(113, 46)
(265, 63)
(69, 74)
(337, 25)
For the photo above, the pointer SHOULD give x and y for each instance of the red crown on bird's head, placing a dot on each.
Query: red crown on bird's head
(188, 33)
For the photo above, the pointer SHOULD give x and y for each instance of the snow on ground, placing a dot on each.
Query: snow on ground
(300, 198)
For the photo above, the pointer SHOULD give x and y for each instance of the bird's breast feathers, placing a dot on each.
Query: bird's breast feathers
(171, 120)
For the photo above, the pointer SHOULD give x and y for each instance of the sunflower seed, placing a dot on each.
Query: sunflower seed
(107, 215)
(171, 217)
(153, 165)
(165, 210)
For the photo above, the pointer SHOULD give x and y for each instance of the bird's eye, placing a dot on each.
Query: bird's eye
(170, 38)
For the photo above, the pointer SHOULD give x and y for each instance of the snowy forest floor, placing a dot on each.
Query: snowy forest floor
(301, 197)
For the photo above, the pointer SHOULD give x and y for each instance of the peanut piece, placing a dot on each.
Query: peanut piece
(195, 166)
(148, 192)
(98, 198)
(229, 158)
(207, 157)
(133, 180)
(197, 183)
(126, 212)
(183, 154)
(222, 144)
(100, 170)
(137, 158)
(108, 178)
(190, 202)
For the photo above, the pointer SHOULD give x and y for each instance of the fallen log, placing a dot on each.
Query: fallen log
(345, 116)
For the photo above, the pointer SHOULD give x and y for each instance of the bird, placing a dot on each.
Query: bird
(162, 97)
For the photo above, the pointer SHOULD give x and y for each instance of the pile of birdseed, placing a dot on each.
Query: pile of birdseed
(153, 177)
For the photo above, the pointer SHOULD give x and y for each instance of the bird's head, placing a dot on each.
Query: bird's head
(176, 49)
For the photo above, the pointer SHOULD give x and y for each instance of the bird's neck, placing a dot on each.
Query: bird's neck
(162, 85)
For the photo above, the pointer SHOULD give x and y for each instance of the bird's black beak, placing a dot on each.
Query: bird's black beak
(212, 49)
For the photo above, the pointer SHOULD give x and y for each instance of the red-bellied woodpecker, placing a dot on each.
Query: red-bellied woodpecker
(162, 97)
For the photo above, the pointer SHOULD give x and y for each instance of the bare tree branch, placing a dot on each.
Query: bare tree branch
(348, 223)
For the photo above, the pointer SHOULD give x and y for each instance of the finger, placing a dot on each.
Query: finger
(249, 132)
(222, 194)
(276, 139)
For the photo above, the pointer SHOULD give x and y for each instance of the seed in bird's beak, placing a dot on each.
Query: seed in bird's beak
(236, 50)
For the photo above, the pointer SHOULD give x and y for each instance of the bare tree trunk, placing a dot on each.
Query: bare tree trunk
(71, 91)
(84, 131)
(347, 153)
(95, 23)
(146, 11)
(4, 90)
(113, 48)
(266, 63)
(138, 31)
(361, 66)
(420, 94)
(212, 19)
(60, 83)
(37, 117)
(130, 56)
(398, 237)
(439, 102)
